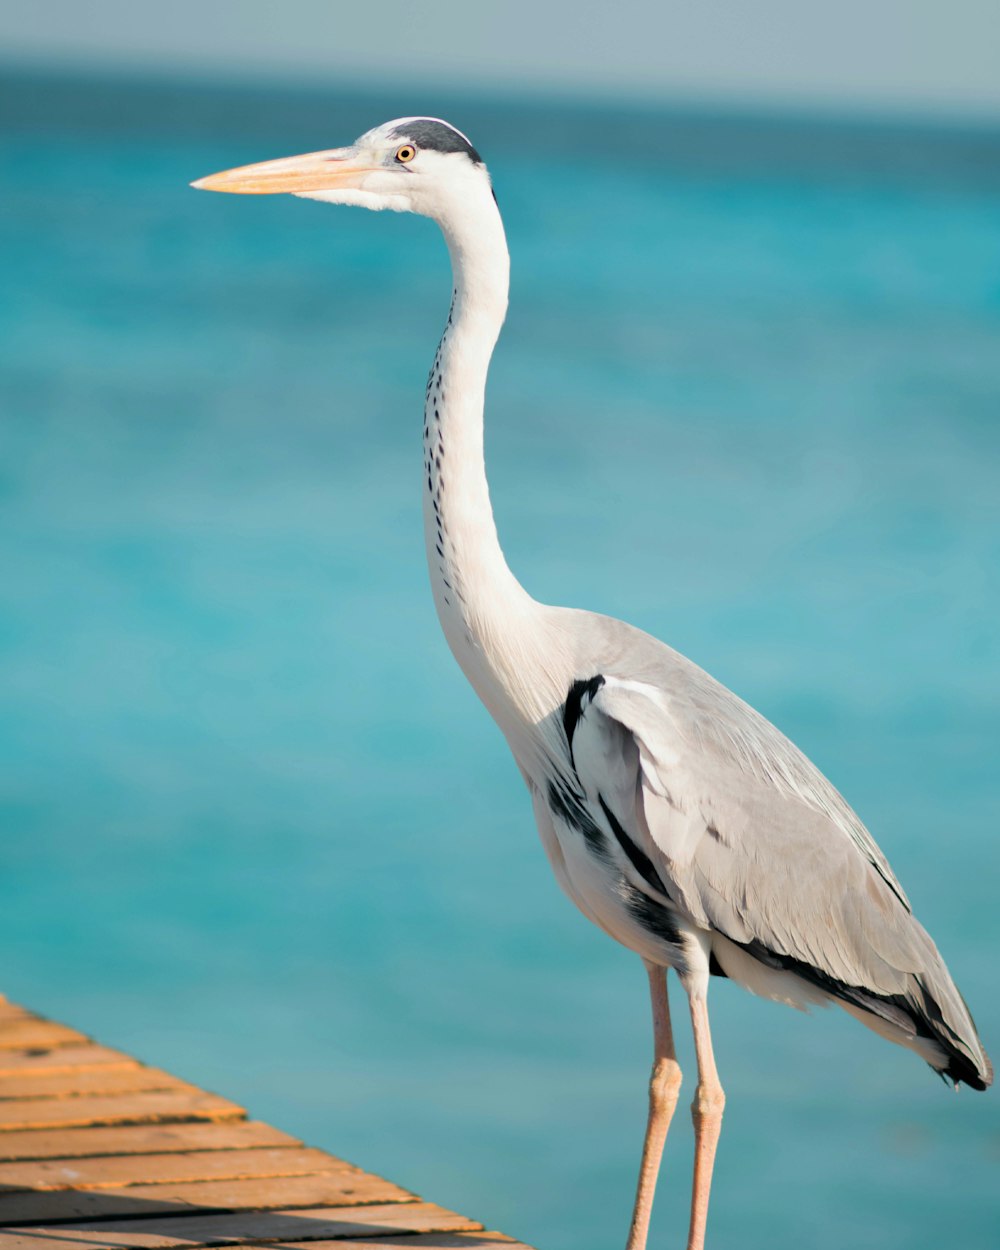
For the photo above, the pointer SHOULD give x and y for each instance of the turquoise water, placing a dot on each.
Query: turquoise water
(256, 828)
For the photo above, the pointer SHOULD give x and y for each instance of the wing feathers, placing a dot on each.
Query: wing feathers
(714, 808)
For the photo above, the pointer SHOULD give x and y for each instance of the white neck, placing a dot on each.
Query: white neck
(484, 611)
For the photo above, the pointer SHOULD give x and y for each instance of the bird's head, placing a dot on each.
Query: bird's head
(411, 165)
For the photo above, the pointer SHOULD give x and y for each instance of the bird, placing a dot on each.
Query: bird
(676, 817)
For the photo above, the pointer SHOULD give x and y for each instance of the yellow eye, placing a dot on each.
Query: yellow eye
(406, 153)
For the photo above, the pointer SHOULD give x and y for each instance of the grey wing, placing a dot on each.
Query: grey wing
(756, 846)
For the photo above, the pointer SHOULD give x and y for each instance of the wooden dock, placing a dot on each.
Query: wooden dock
(98, 1150)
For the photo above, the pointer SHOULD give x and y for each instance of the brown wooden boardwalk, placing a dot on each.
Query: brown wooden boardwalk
(98, 1150)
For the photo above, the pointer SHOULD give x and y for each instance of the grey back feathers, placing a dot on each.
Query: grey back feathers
(726, 825)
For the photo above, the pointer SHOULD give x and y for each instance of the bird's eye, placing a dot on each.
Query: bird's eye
(406, 153)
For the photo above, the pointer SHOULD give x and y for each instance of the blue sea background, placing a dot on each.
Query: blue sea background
(256, 828)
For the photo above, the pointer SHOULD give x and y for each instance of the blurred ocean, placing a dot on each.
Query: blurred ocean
(255, 826)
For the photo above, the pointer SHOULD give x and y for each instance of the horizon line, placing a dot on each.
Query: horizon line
(528, 91)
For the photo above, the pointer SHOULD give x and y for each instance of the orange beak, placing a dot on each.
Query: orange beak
(315, 171)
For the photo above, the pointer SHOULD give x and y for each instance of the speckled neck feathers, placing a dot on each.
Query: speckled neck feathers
(482, 607)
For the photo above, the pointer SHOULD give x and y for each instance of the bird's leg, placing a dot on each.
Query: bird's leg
(664, 1086)
(706, 1111)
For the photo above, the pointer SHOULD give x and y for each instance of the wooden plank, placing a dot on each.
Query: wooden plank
(188, 1103)
(21, 1034)
(274, 1227)
(339, 1186)
(409, 1241)
(61, 1059)
(112, 1172)
(13, 1011)
(140, 1139)
(100, 1151)
(78, 1083)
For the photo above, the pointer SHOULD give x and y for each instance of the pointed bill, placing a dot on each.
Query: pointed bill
(314, 171)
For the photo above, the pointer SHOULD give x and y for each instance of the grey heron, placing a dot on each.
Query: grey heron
(675, 816)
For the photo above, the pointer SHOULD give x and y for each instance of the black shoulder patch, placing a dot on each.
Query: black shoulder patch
(437, 137)
(573, 707)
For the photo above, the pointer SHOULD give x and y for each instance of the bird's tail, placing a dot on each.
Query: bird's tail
(939, 1013)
